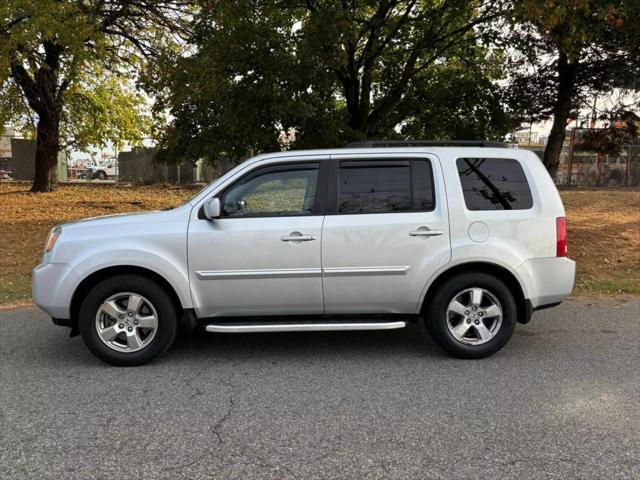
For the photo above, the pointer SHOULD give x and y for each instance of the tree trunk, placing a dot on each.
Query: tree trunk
(551, 158)
(47, 148)
(43, 92)
(561, 111)
(357, 110)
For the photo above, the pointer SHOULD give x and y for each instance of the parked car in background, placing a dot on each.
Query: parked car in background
(103, 171)
(469, 238)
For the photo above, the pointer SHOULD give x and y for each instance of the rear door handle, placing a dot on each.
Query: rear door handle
(425, 232)
(297, 237)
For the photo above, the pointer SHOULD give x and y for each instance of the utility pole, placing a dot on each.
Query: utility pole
(572, 140)
(593, 111)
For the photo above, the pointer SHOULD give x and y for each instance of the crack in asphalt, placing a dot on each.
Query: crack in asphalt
(224, 418)
(229, 383)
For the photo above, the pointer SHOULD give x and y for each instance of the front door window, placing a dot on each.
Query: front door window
(288, 190)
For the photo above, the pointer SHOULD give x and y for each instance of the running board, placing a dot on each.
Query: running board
(303, 327)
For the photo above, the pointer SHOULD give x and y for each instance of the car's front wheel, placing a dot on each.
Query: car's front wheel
(471, 315)
(128, 320)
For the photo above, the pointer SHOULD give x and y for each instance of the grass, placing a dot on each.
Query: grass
(604, 230)
(604, 239)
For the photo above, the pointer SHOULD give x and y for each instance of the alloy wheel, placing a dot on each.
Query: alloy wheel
(474, 316)
(126, 322)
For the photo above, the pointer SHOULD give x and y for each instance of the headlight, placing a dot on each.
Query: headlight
(53, 238)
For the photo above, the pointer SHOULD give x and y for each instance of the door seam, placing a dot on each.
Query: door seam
(324, 305)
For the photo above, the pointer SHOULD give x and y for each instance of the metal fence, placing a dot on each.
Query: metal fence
(581, 167)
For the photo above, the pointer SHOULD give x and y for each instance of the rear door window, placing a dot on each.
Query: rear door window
(385, 186)
(494, 184)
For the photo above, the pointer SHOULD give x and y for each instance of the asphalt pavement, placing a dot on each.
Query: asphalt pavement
(560, 401)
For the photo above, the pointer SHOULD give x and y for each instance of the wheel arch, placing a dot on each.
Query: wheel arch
(510, 280)
(94, 278)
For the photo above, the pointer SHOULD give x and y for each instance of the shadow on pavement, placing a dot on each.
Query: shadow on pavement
(300, 345)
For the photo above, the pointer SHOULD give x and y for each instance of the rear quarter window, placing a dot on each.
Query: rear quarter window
(494, 184)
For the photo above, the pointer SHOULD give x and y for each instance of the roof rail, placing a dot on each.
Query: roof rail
(427, 143)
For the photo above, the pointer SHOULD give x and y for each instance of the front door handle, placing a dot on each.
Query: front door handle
(297, 237)
(425, 232)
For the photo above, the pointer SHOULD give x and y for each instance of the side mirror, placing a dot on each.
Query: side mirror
(212, 208)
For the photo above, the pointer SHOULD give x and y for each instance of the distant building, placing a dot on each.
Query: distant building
(5, 142)
(5, 152)
(18, 158)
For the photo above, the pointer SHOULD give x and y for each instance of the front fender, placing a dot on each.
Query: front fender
(83, 267)
(176, 277)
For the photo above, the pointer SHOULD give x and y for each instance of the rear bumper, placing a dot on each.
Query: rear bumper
(550, 280)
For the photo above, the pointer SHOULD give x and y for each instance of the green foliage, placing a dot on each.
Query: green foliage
(105, 108)
(68, 69)
(97, 110)
(459, 99)
(266, 75)
(14, 109)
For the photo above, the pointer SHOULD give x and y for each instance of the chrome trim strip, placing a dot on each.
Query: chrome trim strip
(300, 272)
(262, 273)
(305, 327)
(347, 271)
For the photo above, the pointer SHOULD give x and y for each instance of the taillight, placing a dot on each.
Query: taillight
(561, 237)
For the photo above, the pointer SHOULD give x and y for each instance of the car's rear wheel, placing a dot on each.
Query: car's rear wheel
(471, 315)
(101, 175)
(128, 320)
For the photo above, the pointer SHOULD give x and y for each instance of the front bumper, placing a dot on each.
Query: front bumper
(46, 280)
(550, 280)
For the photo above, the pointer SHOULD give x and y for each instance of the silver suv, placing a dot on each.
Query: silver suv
(469, 238)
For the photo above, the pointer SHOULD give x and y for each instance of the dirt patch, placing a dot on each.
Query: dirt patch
(604, 239)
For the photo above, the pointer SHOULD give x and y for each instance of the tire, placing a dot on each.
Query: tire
(101, 175)
(473, 332)
(141, 323)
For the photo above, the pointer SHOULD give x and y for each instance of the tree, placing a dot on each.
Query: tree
(67, 69)
(567, 50)
(330, 72)
(457, 99)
